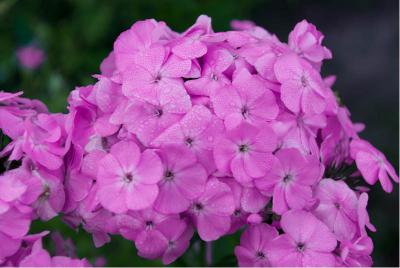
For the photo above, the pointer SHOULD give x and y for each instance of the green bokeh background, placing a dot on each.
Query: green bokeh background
(78, 34)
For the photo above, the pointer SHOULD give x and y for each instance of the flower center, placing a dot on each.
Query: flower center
(337, 205)
(243, 148)
(197, 207)
(171, 244)
(287, 178)
(46, 193)
(237, 212)
(304, 81)
(260, 255)
(149, 224)
(189, 142)
(214, 77)
(158, 112)
(157, 78)
(300, 247)
(128, 177)
(168, 176)
(245, 111)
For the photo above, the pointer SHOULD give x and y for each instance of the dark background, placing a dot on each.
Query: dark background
(77, 34)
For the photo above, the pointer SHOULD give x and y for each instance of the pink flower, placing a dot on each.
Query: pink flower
(248, 100)
(306, 40)
(306, 242)
(264, 54)
(212, 210)
(239, 216)
(153, 74)
(52, 195)
(302, 88)
(298, 131)
(178, 239)
(30, 57)
(246, 151)
(183, 180)
(373, 164)
(148, 119)
(357, 253)
(142, 35)
(193, 42)
(145, 228)
(253, 249)
(128, 178)
(290, 180)
(11, 189)
(194, 132)
(44, 141)
(197, 130)
(337, 208)
(212, 74)
(14, 224)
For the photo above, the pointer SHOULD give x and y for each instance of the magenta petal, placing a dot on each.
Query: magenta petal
(279, 204)
(212, 227)
(170, 199)
(151, 244)
(149, 170)
(141, 196)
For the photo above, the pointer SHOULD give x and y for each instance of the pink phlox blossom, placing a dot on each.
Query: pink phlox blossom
(306, 242)
(290, 180)
(247, 100)
(128, 178)
(197, 130)
(246, 152)
(372, 164)
(302, 88)
(306, 40)
(253, 249)
(337, 208)
(184, 179)
(211, 212)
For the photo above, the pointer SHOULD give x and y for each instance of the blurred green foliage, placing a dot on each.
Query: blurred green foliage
(78, 34)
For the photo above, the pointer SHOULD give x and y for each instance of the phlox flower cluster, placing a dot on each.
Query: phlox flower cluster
(196, 132)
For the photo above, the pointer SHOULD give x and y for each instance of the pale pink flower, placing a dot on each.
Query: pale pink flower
(306, 40)
(306, 242)
(212, 76)
(245, 151)
(183, 180)
(128, 178)
(253, 249)
(142, 35)
(290, 180)
(302, 87)
(178, 238)
(197, 130)
(193, 42)
(211, 212)
(248, 100)
(337, 208)
(154, 73)
(148, 119)
(373, 164)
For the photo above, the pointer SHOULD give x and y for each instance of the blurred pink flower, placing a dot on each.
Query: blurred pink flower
(30, 57)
